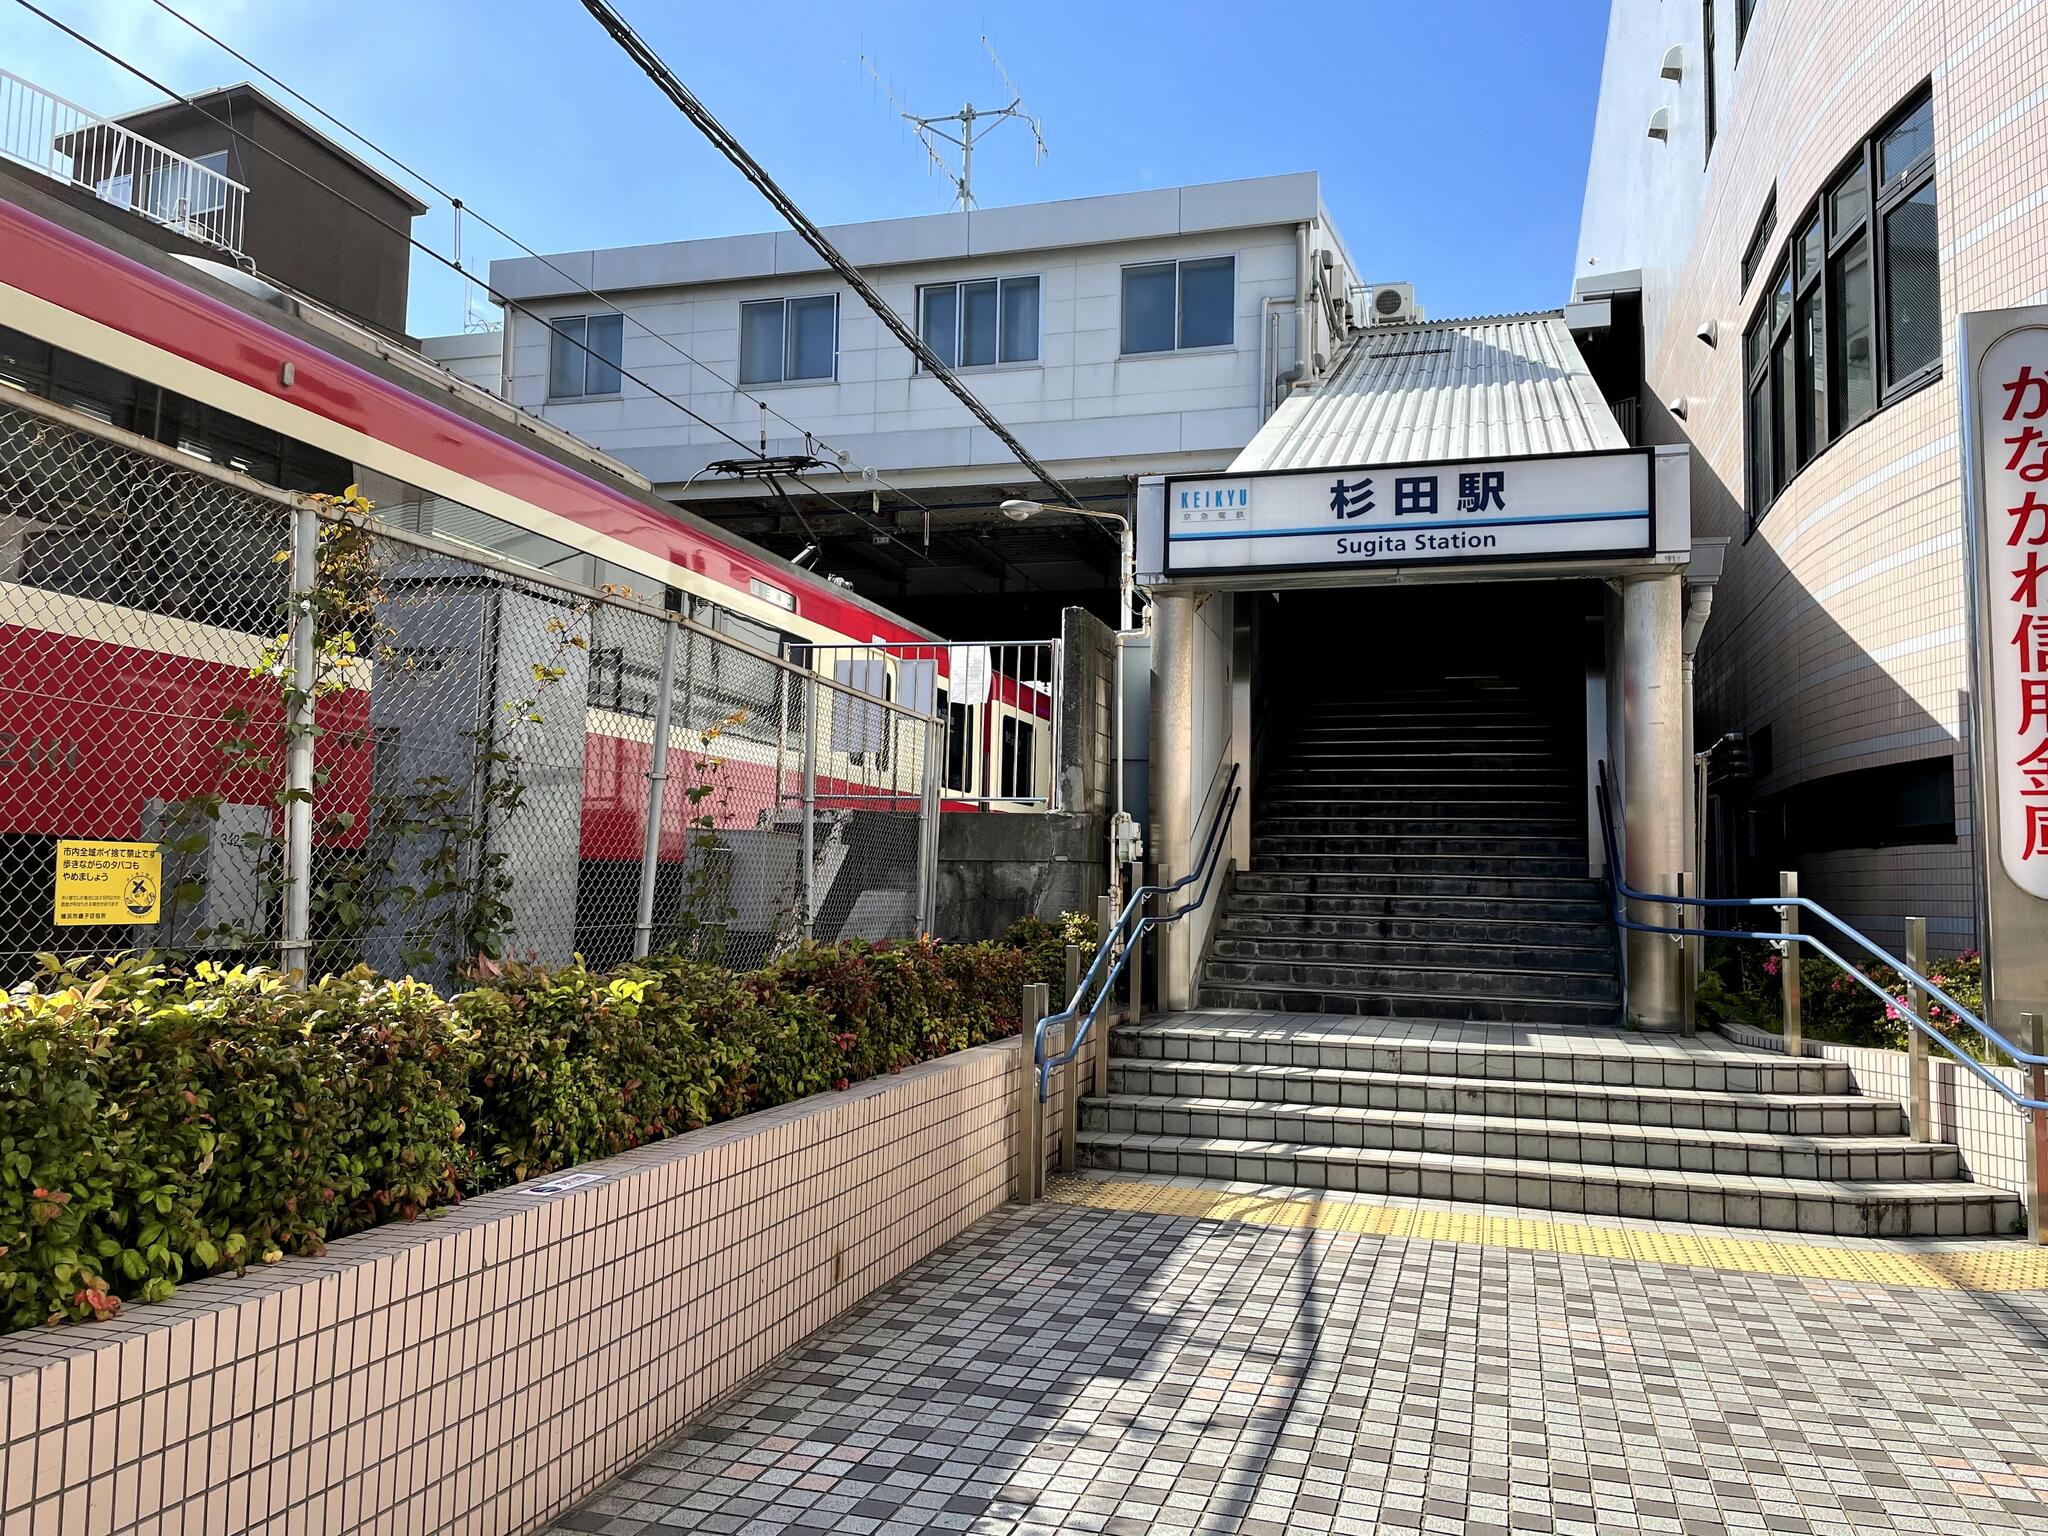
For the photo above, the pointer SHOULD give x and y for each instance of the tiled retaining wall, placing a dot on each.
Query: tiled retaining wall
(1991, 1134)
(482, 1371)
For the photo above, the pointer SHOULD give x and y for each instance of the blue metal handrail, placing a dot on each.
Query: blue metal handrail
(1114, 954)
(1621, 893)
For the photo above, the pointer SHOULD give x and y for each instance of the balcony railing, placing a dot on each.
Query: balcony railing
(61, 139)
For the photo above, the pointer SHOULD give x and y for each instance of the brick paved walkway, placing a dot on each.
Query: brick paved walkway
(1103, 1369)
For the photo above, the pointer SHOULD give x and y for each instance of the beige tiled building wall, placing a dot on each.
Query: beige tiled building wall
(482, 1371)
(1840, 623)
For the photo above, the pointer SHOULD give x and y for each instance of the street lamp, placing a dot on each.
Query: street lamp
(1124, 842)
(1017, 510)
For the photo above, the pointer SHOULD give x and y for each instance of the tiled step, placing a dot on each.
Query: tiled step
(1485, 1053)
(1410, 824)
(1496, 884)
(1422, 867)
(1856, 1208)
(1475, 846)
(1378, 1006)
(1277, 802)
(1435, 953)
(1273, 917)
(1446, 979)
(1366, 740)
(1491, 887)
(1785, 1114)
(1758, 1154)
(1275, 895)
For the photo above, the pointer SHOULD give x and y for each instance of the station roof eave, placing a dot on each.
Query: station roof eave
(1504, 386)
(1468, 392)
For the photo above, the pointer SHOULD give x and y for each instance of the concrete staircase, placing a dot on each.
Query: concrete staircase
(1421, 854)
(1557, 1118)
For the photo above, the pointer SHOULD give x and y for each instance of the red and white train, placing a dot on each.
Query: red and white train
(108, 631)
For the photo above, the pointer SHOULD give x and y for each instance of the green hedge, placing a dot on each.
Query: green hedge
(155, 1127)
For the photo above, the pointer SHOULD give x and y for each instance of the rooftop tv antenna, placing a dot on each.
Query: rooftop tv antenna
(969, 126)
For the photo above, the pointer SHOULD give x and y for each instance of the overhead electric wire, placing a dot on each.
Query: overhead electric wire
(462, 206)
(429, 250)
(665, 79)
(405, 234)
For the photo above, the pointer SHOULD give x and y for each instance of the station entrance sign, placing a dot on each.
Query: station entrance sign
(1570, 505)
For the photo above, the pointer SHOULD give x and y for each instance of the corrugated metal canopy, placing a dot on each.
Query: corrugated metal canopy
(1496, 387)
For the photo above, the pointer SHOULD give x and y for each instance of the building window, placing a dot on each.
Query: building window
(1171, 305)
(583, 355)
(1745, 12)
(1707, 67)
(1759, 245)
(782, 340)
(1851, 319)
(177, 192)
(975, 325)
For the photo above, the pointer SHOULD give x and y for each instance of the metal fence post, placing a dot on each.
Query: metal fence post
(657, 780)
(1920, 1095)
(296, 945)
(1030, 1112)
(2034, 1034)
(1788, 965)
(1105, 914)
(1070, 1118)
(808, 868)
(928, 831)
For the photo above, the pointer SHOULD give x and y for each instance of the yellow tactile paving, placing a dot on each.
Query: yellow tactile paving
(2018, 1268)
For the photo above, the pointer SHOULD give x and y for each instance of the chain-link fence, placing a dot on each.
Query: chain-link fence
(239, 724)
(997, 698)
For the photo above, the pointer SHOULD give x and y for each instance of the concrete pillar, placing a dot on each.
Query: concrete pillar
(1653, 701)
(1173, 789)
(1243, 655)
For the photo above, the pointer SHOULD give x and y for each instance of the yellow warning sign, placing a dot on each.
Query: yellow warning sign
(108, 882)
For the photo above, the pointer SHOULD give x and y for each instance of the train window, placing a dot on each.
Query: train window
(625, 663)
(735, 681)
(959, 744)
(1019, 758)
(863, 731)
(121, 400)
(78, 382)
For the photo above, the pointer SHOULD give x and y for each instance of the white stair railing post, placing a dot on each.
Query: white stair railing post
(1788, 967)
(1919, 1088)
(2034, 1036)
(1070, 1110)
(1030, 1171)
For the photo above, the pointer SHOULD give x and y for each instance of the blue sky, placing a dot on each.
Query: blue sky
(1452, 135)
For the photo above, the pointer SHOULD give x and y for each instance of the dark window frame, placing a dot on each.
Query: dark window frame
(1745, 16)
(1180, 343)
(785, 351)
(1707, 71)
(1004, 283)
(588, 355)
(1767, 470)
(1759, 246)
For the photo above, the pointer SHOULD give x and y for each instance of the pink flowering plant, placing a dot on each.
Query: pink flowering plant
(1743, 984)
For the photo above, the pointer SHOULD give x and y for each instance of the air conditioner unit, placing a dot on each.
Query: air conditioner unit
(1394, 304)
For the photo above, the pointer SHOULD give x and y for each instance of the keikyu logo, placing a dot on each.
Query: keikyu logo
(1212, 503)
